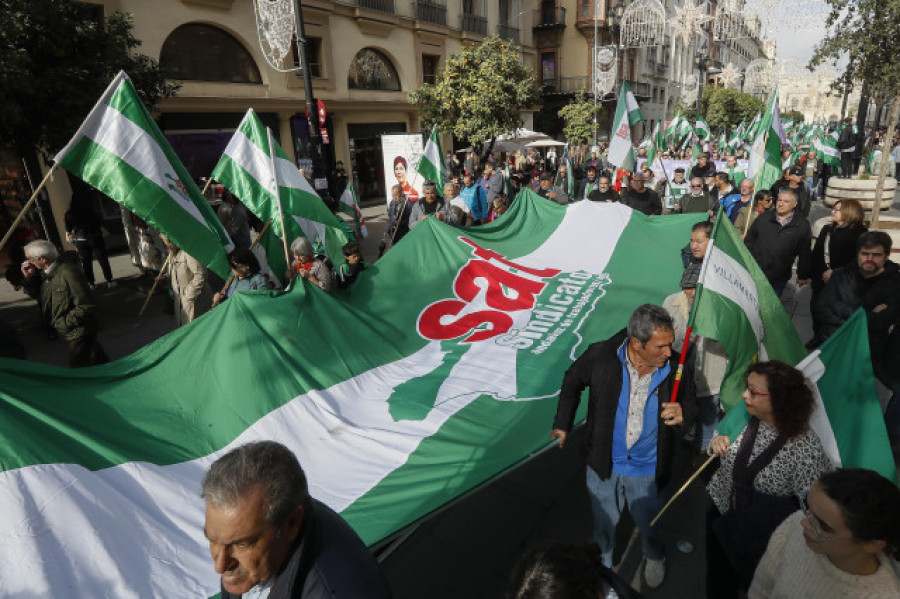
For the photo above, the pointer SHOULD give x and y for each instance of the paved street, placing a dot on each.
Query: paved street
(468, 549)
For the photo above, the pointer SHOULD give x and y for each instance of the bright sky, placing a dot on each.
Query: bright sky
(798, 44)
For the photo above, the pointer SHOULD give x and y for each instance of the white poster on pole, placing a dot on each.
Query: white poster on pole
(402, 152)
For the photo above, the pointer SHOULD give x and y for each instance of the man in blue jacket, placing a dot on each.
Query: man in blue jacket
(629, 430)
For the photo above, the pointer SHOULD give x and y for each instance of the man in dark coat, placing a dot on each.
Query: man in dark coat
(269, 538)
(873, 284)
(629, 434)
(67, 304)
(779, 236)
(638, 197)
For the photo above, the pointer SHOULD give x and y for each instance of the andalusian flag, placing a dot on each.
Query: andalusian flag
(765, 155)
(826, 149)
(701, 129)
(847, 418)
(397, 396)
(738, 307)
(120, 150)
(656, 143)
(246, 170)
(431, 164)
(621, 151)
(349, 205)
(672, 131)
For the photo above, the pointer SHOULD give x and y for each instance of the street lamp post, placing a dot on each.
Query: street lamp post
(321, 176)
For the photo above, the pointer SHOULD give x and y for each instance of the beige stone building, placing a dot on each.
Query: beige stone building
(365, 57)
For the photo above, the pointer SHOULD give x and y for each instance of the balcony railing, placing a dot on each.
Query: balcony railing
(431, 12)
(565, 85)
(380, 5)
(573, 85)
(473, 23)
(508, 32)
(549, 17)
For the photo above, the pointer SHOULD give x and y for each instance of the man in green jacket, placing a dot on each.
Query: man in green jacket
(57, 282)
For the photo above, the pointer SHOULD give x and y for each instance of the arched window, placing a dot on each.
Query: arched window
(196, 52)
(371, 69)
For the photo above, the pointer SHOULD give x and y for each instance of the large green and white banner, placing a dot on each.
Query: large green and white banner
(438, 370)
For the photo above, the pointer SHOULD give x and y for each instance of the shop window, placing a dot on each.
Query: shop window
(313, 55)
(371, 69)
(548, 68)
(430, 68)
(196, 52)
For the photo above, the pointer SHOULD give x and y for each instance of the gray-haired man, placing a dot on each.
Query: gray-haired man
(269, 538)
(629, 435)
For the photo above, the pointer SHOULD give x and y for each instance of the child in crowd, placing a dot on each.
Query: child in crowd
(350, 269)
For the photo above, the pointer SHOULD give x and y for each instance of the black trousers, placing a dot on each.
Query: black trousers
(90, 249)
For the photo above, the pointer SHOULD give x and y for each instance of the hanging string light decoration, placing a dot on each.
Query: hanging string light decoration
(689, 89)
(729, 75)
(605, 73)
(759, 77)
(275, 30)
(643, 24)
(688, 21)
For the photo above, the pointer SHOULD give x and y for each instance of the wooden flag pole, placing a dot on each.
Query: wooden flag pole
(166, 263)
(27, 207)
(155, 283)
(683, 487)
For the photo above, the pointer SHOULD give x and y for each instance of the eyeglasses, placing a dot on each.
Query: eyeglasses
(757, 393)
(696, 186)
(815, 524)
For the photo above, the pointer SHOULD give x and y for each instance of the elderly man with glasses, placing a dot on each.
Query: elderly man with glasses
(697, 200)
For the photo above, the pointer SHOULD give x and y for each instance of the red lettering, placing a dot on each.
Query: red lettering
(487, 254)
(526, 290)
(431, 327)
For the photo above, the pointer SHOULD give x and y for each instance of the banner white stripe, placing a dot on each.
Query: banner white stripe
(81, 526)
(724, 275)
(114, 132)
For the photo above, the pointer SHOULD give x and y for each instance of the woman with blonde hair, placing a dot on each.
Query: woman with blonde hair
(835, 247)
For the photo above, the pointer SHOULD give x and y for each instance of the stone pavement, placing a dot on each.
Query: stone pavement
(466, 550)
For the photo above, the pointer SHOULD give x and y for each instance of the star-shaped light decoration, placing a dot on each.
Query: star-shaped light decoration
(729, 75)
(688, 21)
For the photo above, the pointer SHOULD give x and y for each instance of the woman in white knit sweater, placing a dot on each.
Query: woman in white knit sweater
(844, 543)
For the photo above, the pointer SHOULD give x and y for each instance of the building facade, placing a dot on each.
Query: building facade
(365, 57)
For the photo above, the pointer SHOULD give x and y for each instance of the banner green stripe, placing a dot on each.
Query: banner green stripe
(119, 180)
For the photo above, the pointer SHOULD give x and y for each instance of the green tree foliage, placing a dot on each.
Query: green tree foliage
(725, 108)
(479, 93)
(867, 31)
(793, 115)
(579, 118)
(56, 58)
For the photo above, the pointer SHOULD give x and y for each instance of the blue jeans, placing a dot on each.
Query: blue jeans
(707, 418)
(812, 190)
(608, 499)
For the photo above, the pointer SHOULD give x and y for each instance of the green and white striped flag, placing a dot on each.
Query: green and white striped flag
(826, 149)
(120, 150)
(621, 150)
(349, 205)
(245, 169)
(671, 136)
(847, 418)
(397, 397)
(736, 305)
(701, 128)
(432, 161)
(765, 155)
